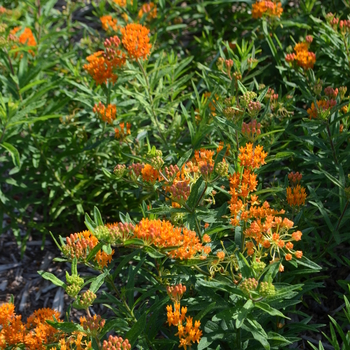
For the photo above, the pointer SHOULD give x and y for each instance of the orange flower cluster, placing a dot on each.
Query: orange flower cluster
(100, 69)
(189, 333)
(322, 110)
(75, 341)
(272, 235)
(116, 343)
(25, 38)
(135, 40)
(102, 64)
(34, 334)
(149, 174)
(252, 157)
(92, 324)
(265, 230)
(121, 133)
(149, 9)
(267, 8)
(243, 204)
(107, 114)
(176, 292)
(79, 246)
(296, 196)
(123, 3)
(163, 234)
(302, 56)
(109, 23)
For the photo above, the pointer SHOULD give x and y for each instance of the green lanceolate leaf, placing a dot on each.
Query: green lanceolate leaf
(52, 278)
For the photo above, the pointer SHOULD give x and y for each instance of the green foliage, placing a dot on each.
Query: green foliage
(175, 149)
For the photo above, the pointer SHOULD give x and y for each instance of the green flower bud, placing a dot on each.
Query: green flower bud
(267, 289)
(248, 97)
(119, 170)
(222, 169)
(258, 266)
(87, 299)
(73, 290)
(102, 233)
(248, 285)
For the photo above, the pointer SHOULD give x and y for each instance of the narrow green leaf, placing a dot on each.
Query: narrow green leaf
(14, 153)
(52, 278)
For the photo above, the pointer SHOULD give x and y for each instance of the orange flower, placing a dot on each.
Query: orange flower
(299, 47)
(7, 312)
(103, 259)
(323, 108)
(297, 235)
(123, 3)
(206, 239)
(252, 157)
(107, 114)
(220, 255)
(306, 59)
(79, 246)
(296, 196)
(163, 234)
(135, 40)
(189, 333)
(149, 174)
(176, 292)
(289, 245)
(149, 9)
(15, 331)
(268, 8)
(120, 132)
(108, 23)
(100, 69)
(288, 257)
(25, 38)
(298, 254)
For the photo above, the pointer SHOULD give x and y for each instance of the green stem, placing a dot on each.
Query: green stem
(201, 271)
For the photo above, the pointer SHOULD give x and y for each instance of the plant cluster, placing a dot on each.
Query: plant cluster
(208, 162)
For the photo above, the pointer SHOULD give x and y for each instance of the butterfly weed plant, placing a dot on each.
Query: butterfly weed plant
(208, 165)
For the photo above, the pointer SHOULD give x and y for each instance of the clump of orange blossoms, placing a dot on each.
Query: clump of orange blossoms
(102, 64)
(116, 343)
(121, 133)
(266, 233)
(267, 8)
(149, 174)
(100, 69)
(106, 113)
(108, 23)
(189, 333)
(322, 109)
(135, 40)
(296, 196)
(302, 56)
(163, 234)
(79, 246)
(123, 3)
(149, 9)
(25, 38)
(34, 334)
(252, 157)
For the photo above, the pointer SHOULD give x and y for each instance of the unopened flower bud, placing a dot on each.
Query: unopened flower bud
(119, 171)
(222, 168)
(267, 289)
